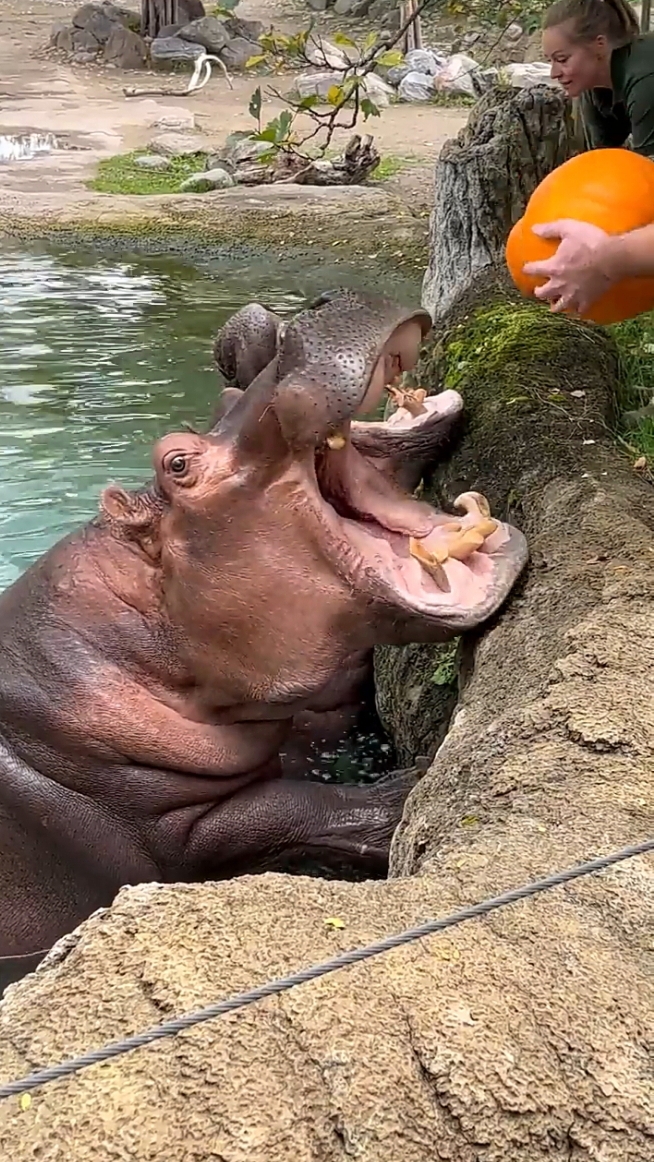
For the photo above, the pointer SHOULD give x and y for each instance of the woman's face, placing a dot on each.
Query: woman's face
(577, 67)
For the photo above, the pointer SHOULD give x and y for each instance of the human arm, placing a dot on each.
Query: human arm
(588, 261)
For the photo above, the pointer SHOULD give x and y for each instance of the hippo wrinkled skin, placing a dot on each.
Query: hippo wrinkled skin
(154, 662)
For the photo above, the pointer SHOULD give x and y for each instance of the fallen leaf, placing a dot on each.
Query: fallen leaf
(641, 462)
(469, 820)
(25, 1101)
(334, 922)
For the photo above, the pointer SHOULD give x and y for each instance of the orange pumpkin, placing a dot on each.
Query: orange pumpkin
(610, 188)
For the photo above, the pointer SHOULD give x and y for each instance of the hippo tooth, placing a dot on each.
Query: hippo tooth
(336, 442)
(432, 563)
(463, 545)
(413, 402)
(473, 503)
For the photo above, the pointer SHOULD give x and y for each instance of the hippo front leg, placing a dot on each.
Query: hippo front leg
(281, 818)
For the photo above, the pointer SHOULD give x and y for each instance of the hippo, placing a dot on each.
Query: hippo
(155, 661)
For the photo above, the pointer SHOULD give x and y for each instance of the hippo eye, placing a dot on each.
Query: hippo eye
(177, 464)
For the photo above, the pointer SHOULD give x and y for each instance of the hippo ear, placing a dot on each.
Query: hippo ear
(246, 344)
(134, 514)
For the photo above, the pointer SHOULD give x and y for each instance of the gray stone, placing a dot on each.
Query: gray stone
(343, 7)
(396, 74)
(176, 144)
(247, 29)
(213, 179)
(317, 5)
(84, 58)
(125, 49)
(126, 16)
(96, 20)
(62, 37)
(209, 32)
(152, 161)
(361, 8)
(84, 41)
(513, 31)
(237, 150)
(169, 30)
(237, 52)
(172, 50)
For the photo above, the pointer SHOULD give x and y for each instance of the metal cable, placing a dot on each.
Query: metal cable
(273, 988)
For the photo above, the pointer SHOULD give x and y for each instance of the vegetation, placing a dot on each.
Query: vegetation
(635, 340)
(122, 174)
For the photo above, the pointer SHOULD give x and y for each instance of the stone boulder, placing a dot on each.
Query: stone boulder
(98, 21)
(176, 144)
(237, 53)
(211, 179)
(308, 84)
(209, 32)
(247, 29)
(169, 51)
(125, 49)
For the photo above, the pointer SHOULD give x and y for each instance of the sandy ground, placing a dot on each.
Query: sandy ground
(87, 110)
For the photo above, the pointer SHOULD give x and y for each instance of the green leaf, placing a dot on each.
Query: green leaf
(254, 108)
(284, 122)
(341, 38)
(255, 60)
(369, 109)
(390, 59)
(308, 102)
(369, 41)
(268, 133)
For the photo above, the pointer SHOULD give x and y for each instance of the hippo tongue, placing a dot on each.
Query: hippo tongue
(355, 488)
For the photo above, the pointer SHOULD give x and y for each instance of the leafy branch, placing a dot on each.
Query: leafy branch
(347, 99)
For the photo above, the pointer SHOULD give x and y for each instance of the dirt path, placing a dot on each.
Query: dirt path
(87, 110)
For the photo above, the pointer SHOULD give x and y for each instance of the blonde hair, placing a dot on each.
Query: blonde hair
(614, 19)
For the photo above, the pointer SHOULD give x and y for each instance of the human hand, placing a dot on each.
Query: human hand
(576, 273)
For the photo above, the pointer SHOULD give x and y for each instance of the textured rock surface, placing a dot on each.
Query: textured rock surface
(209, 32)
(125, 49)
(172, 50)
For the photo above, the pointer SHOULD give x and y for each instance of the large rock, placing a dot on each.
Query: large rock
(176, 144)
(61, 37)
(237, 52)
(246, 29)
(209, 31)
(166, 52)
(95, 19)
(83, 40)
(210, 179)
(308, 84)
(125, 49)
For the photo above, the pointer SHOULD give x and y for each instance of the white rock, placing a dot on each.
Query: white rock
(416, 87)
(306, 84)
(456, 75)
(210, 179)
(523, 76)
(425, 60)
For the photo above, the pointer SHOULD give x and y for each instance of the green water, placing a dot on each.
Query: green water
(102, 353)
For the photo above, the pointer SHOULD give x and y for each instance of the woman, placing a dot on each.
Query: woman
(598, 56)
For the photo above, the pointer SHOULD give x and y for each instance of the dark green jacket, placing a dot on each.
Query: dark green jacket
(610, 116)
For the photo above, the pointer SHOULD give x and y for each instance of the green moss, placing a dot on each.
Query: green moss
(447, 669)
(635, 342)
(390, 165)
(122, 175)
(490, 345)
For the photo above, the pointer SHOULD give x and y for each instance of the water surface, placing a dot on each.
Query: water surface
(100, 355)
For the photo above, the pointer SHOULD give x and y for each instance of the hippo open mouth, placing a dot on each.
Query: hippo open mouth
(433, 563)
(305, 387)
